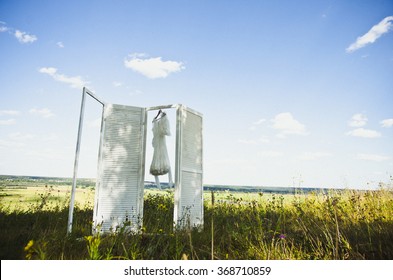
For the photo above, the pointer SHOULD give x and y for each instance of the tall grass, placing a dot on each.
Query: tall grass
(336, 225)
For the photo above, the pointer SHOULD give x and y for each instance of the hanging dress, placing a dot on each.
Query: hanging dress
(160, 164)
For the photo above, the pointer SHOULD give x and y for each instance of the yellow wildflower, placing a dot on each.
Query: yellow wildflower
(29, 245)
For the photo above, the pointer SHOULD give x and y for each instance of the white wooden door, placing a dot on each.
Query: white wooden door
(120, 182)
(188, 211)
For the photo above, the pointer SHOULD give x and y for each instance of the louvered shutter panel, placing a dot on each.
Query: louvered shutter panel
(120, 182)
(188, 210)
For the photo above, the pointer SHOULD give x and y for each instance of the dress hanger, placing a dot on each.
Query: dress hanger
(160, 112)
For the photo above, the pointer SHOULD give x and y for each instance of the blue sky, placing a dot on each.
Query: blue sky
(292, 92)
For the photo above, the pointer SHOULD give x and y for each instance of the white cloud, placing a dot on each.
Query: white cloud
(257, 123)
(365, 133)
(60, 44)
(45, 112)
(48, 70)
(260, 121)
(372, 157)
(314, 155)
(287, 124)
(21, 36)
(387, 123)
(154, 67)
(9, 112)
(358, 120)
(74, 82)
(24, 38)
(372, 35)
(8, 122)
(3, 28)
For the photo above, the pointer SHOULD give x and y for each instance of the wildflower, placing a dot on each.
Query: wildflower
(162, 207)
(282, 236)
(89, 238)
(30, 251)
(29, 245)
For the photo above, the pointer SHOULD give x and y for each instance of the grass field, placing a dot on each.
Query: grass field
(336, 225)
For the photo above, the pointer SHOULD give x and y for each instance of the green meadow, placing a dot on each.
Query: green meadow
(336, 225)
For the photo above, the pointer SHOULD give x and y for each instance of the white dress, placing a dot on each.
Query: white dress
(160, 164)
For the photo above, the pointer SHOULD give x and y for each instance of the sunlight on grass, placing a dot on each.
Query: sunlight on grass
(333, 225)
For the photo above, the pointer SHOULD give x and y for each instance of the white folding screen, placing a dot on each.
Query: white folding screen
(121, 167)
(120, 180)
(188, 211)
